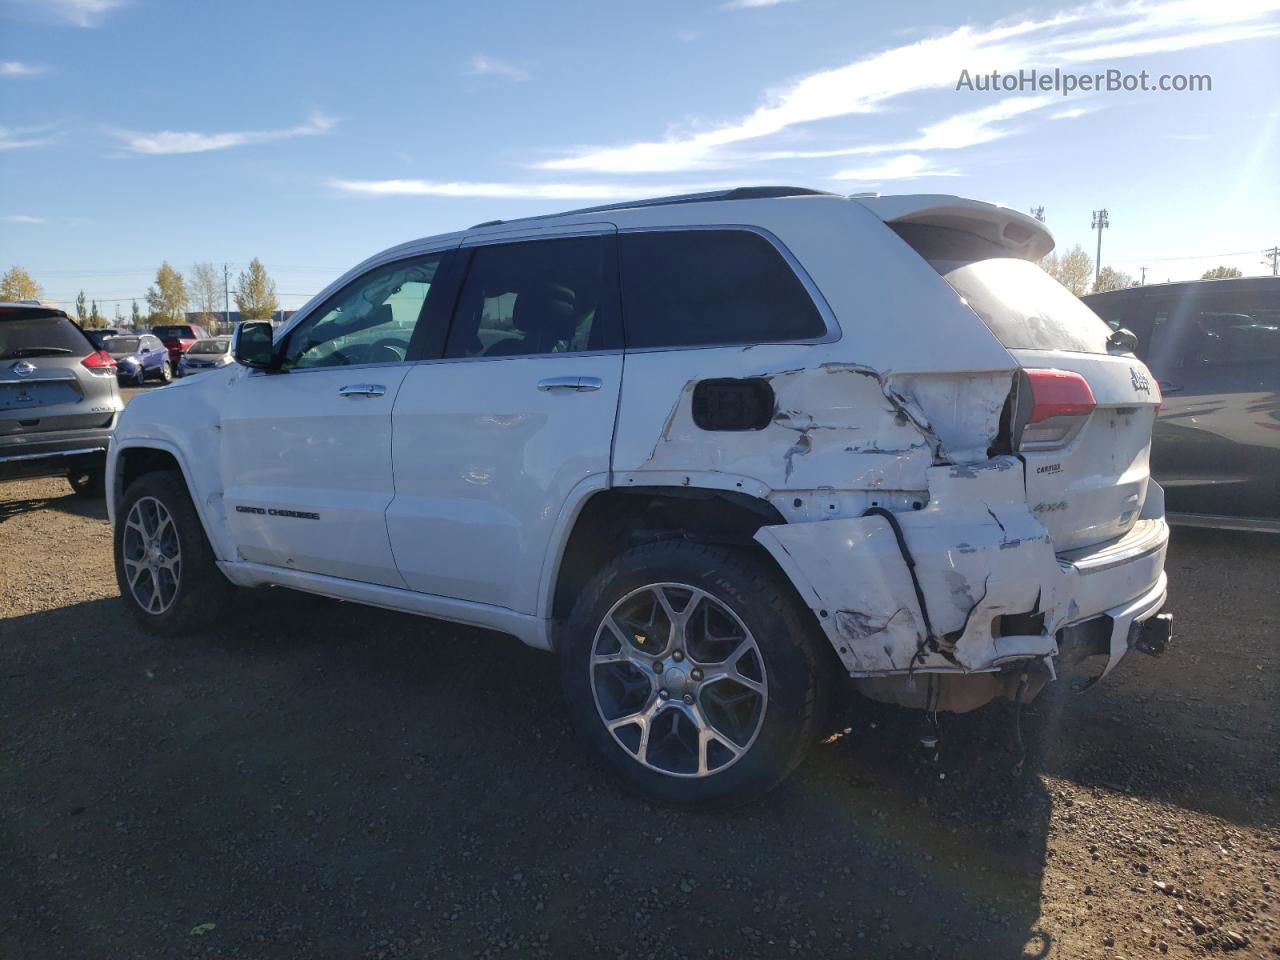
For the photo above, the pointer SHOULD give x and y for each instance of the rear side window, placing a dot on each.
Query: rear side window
(693, 288)
(536, 297)
(36, 333)
(1211, 327)
(1022, 305)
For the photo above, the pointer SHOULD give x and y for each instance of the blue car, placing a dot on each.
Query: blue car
(139, 358)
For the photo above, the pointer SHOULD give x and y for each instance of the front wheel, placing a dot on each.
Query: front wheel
(165, 567)
(695, 672)
(166, 372)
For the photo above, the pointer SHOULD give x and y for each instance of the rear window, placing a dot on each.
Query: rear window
(34, 333)
(209, 346)
(121, 344)
(1022, 305)
(685, 288)
(178, 332)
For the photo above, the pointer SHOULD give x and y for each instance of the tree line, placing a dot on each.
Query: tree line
(169, 298)
(1074, 270)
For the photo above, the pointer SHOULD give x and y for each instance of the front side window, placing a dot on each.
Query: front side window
(371, 320)
(684, 288)
(535, 297)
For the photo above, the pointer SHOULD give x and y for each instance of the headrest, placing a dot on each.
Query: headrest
(545, 310)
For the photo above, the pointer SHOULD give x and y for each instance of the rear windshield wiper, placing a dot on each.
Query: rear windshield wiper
(35, 352)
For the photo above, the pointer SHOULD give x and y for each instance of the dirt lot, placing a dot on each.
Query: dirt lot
(320, 780)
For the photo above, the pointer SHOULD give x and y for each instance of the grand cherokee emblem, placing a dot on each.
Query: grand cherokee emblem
(1141, 383)
(23, 369)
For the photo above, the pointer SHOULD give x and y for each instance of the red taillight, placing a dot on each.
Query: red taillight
(1058, 393)
(99, 360)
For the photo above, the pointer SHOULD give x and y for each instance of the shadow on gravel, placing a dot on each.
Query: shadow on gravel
(320, 779)
(70, 504)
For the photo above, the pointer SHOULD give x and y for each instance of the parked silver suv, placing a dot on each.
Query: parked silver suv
(58, 398)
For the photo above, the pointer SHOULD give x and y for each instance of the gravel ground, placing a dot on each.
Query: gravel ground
(321, 780)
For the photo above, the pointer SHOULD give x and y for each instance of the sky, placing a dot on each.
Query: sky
(314, 134)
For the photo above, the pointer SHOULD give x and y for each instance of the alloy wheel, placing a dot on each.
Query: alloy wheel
(152, 555)
(678, 680)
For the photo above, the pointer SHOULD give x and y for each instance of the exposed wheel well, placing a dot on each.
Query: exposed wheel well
(616, 520)
(135, 461)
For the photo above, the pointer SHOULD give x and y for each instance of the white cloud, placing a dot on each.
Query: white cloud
(908, 166)
(753, 4)
(1070, 113)
(529, 191)
(14, 68)
(1101, 32)
(20, 138)
(22, 218)
(75, 13)
(170, 141)
(490, 66)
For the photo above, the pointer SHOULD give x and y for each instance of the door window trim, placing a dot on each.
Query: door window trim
(833, 331)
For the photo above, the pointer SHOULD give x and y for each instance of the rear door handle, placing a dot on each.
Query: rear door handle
(362, 390)
(571, 384)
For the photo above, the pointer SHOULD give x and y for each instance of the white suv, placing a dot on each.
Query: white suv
(714, 451)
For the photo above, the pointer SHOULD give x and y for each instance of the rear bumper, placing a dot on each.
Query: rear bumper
(996, 593)
(43, 456)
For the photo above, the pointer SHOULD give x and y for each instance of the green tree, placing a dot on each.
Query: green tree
(1074, 269)
(1222, 273)
(135, 316)
(256, 293)
(95, 318)
(1111, 279)
(17, 284)
(82, 310)
(168, 298)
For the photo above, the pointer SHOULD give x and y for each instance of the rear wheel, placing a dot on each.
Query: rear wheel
(165, 567)
(166, 372)
(87, 482)
(694, 672)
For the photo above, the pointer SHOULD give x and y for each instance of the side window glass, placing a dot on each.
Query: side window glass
(536, 297)
(704, 287)
(1235, 339)
(371, 320)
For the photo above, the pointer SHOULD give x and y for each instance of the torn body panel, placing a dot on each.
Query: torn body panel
(985, 564)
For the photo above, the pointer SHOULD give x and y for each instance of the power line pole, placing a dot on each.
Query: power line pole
(1274, 256)
(1143, 281)
(226, 298)
(1038, 213)
(1100, 222)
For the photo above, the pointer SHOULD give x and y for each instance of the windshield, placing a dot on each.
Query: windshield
(1024, 307)
(209, 346)
(49, 335)
(178, 332)
(121, 344)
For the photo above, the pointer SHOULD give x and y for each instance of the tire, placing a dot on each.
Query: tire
(182, 599)
(141, 379)
(742, 605)
(89, 483)
(166, 372)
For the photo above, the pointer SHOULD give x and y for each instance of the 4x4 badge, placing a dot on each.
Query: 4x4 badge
(23, 369)
(1139, 380)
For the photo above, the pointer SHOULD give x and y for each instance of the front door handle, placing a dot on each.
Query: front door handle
(571, 384)
(362, 390)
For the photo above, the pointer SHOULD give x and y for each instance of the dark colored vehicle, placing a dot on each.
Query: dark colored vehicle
(178, 338)
(139, 357)
(58, 398)
(1214, 348)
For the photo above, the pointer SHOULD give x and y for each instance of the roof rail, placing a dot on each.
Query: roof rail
(733, 193)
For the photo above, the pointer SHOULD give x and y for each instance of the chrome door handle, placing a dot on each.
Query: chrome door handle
(574, 384)
(362, 390)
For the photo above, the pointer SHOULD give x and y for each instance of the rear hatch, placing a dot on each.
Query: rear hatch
(51, 377)
(1083, 408)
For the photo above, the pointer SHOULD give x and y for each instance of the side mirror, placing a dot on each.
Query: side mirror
(251, 345)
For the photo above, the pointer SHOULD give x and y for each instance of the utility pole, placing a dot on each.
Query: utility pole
(1038, 213)
(226, 298)
(1143, 281)
(1100, 222)
(1274, 256)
